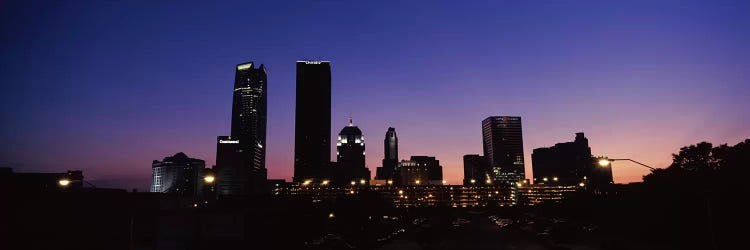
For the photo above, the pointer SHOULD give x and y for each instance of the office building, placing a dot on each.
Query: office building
(177, 174)
(536, 194)
(503, 146)
(569, 164)
(312, 121)
(390, 158)
(420, 170)
(243, 171)
(350, 156)
(476, 169)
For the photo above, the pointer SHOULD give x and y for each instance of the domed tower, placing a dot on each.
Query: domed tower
(350, 155)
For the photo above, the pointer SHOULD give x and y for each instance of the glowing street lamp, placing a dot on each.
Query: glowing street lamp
(306, 182)
(604, 162)
(417, 182)
(473, 181)
(362, 181)
(325, 182)
(353, 183)
(390, 182)
(488, 181)
(209, 179)
(63, 182)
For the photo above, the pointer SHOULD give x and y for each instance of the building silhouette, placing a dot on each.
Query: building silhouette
(420, 170)
(476, 169)
(350, 156)
(177, 174)
(503, 147)
(312, 121)
(240, 160)
(390, 158)
(569, 164)
(35, 182)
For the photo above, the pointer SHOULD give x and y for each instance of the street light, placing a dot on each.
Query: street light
(604, 161)
(63, 182)
(325, 182)
(209, 179)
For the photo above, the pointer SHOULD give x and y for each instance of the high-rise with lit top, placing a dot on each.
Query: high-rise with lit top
(502, 139)
(241, 169)
(390, 157)
(350, 155)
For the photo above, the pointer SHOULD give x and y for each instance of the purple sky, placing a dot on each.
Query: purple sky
(107, 87)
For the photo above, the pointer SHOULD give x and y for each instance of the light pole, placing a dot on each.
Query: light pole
(604, 161)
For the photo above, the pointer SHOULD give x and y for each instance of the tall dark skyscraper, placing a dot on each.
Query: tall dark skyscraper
(312, 121)
(350, 156)
(390, 158)
(503, 146)
(241, 158)
(569, 163)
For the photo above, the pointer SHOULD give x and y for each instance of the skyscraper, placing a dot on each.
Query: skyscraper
(350, 156)
(503, 147)
(390, 158)
(312, 121)
(243, 171)
(178, 174)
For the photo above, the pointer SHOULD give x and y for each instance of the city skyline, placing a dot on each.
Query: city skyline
(640, 86)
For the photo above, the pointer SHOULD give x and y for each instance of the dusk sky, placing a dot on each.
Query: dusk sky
(106, 87)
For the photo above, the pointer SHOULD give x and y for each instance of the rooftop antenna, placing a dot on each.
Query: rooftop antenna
(350, 121)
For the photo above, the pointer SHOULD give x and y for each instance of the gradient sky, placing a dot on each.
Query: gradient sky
(109, 86)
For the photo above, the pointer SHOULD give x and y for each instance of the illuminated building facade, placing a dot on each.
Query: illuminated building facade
(312, 122)
(406, 196)
(177, 174)
(390, 158)
(536, 194)
(241, 157)
(350, 156)
(420, 170)
(502, 139)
